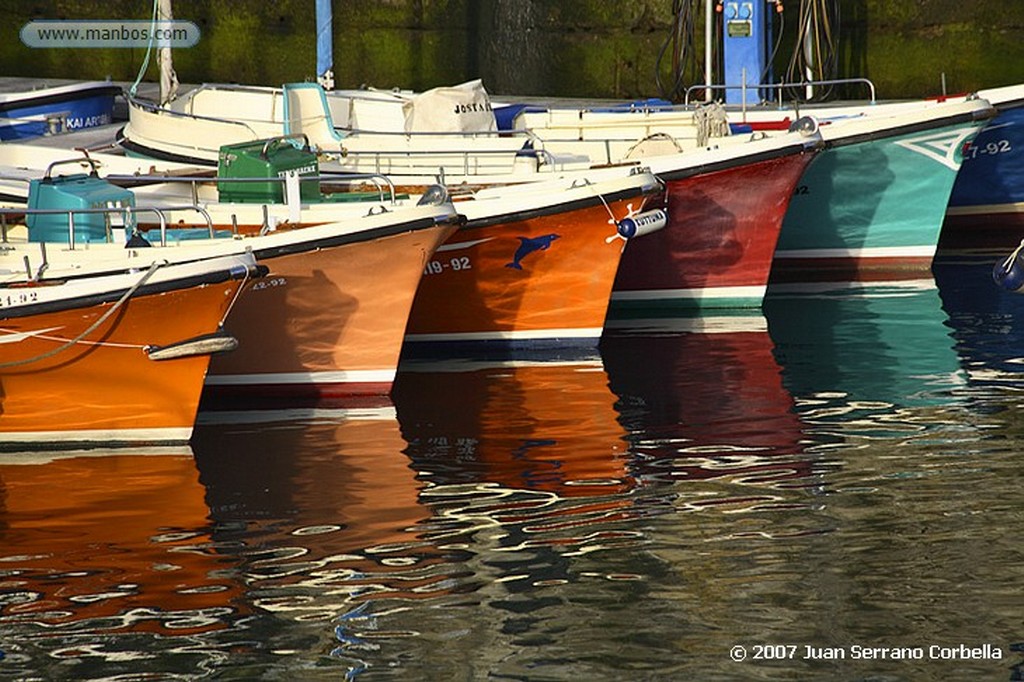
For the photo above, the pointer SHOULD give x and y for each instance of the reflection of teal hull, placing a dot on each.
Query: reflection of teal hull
(872, 208)
(884, 343)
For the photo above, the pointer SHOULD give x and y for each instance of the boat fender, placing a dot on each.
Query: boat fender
(209, 344)
(1009, 273)
(642, 223)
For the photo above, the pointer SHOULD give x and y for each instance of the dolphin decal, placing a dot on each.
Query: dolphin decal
(528, 245)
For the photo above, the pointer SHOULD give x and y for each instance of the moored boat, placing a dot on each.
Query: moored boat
(735, 190)
(56, 109)
(870, 206)
(726, 207)
(109, 345)
(534, 264)
(330, 319)
(986, 206)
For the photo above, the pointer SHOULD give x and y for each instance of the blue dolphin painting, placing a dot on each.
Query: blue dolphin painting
(528, 245)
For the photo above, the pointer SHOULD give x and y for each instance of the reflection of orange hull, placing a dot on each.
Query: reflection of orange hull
(330, 486)
(327, 321)
(546, 277)
(344, 465)
(104, 548)
(545, 426)
(106, 387)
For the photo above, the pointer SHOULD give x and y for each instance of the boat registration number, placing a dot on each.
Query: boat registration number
(458, 263)
(18, 298)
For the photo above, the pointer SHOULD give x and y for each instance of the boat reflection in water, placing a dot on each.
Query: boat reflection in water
(497, 495)
(987, 324)
(309, 497)
(106, 565)
(867, 362)
(545, 425)
(703, 398)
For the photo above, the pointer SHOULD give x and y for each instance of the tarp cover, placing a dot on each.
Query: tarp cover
(464, 108)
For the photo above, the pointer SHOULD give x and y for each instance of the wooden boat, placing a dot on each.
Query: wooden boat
(512, 273)
(514, 267)
(330, 319)
(870, 206)
(109, 345)
(533, 265)
(986, 206)
(735, 189)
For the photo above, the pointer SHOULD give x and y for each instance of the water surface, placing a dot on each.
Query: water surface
(839, 472)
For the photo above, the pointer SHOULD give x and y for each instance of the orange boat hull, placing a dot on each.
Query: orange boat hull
(105, 387)
(544, 279)
(326, 323)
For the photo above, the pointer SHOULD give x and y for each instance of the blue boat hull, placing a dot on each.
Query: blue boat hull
(48, 112)
(986, 206)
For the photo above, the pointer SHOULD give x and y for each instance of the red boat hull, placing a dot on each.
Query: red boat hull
(717, 249)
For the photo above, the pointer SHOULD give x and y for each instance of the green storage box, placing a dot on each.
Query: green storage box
(271, 158)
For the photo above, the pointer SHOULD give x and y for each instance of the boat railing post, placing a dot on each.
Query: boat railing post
(743, 93)
(71, 230)
(163, 226)
(209, 220)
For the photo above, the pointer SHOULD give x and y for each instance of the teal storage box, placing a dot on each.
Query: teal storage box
(77, 191)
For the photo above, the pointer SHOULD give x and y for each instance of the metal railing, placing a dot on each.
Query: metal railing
(782, 86)
(385, 187)
(125, 211)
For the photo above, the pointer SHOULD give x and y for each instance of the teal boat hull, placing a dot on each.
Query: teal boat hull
(871, 209)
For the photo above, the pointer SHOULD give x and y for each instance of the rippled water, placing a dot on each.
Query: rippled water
(843, 471)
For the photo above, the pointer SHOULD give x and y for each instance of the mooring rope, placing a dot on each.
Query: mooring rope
(95, 325)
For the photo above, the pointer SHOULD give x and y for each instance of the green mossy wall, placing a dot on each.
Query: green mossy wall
(569, 48)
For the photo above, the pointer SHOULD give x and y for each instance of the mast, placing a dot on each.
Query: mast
(324, 45)
(709, 29)
(168, 78)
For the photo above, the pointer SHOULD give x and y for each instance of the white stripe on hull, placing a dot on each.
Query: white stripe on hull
(578, 333)
(708, 294)
(367, 376)
(107, 436)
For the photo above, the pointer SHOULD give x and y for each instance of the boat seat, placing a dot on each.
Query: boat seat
(306, 112)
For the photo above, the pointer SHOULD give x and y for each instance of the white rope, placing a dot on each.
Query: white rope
(95, 325)
(1012, 256)
(711, 121)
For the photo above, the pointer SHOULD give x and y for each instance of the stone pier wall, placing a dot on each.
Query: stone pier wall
(567, 48)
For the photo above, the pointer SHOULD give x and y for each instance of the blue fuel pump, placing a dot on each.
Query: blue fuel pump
(746, 31)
